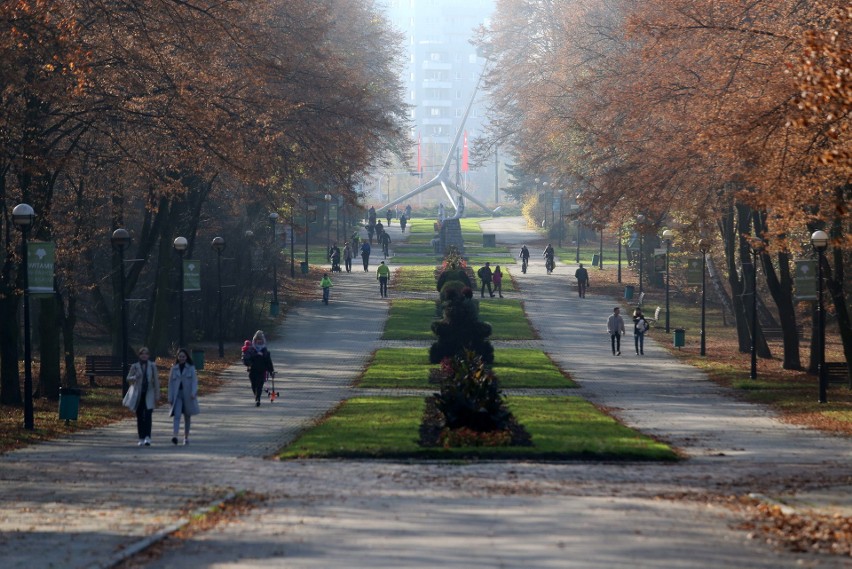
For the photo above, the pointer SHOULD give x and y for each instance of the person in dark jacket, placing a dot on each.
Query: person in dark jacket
(485, 275)
(258, 360)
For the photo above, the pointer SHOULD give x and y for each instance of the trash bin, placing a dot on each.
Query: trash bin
(679, 337)
(274, 308)
(596, 259)
(69, 403)
(304, 267)
(198, 359)
(489, 240)
(628, 292)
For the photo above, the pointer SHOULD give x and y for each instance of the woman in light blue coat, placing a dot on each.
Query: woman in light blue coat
(183, 394)
(143, 394)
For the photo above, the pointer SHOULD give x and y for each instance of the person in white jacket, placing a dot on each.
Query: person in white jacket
(143, 394)
(183, 394)
(615, 327)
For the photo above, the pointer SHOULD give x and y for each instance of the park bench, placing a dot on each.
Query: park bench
(103, 365)
(837, 372)
(777, 333)
(656, 316)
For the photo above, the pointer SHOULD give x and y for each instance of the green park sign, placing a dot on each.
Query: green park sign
(694, 271)
(41, 257)
(806, 277)
(191, 275)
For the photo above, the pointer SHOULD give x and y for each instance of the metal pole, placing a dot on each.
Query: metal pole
(561, 220)
(124, 385)
(292, 249)
(180, 305)
(703, 302)
(219, 274)
(668, 248)
(753, 374)
(823, 378)
(619, 253)
(578, 240)
(29, 420)
(307, 224)
(641, 261)
(600, 255)
(274, 265)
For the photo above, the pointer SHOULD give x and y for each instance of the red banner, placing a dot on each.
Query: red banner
(464, 166)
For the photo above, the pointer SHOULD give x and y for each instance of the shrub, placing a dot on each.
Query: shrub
(460, 329)
(470, 395)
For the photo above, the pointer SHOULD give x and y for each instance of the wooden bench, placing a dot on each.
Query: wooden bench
(837, 372)
(656, 316)
(103, 365)
(777, 333)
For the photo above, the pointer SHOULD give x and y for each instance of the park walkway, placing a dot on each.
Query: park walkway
(81, 501)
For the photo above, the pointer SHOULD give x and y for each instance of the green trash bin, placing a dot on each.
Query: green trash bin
(274, 308)
(679, 337)
(198, 359)
(69, 403)
(628, 292)
(489, 240)
(304, 267)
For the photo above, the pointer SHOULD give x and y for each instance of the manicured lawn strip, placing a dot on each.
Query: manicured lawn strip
(507, 319)
(415, 279)
(408, 368)
(477, 261)
(410, 319)
(562, 428)
(403, 259)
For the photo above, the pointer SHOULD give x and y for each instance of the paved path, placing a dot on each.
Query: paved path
(79, 502)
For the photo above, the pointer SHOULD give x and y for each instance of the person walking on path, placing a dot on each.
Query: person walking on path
(143, 394)
(615, 327)
(408, 211)
(385, 241)
(371, 229)
(383, 275)
(582, 280)
(347, 257)
(258, 360)
(379, 230)
(183, 394)
(549, 261)
(403, 220)
(365, 255)
(497, 278)
(334, 256)
(326, 285)
(640, 326)
(389, 216)
(485, 276)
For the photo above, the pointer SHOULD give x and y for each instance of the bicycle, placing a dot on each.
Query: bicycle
(550, 264)
(524, 261)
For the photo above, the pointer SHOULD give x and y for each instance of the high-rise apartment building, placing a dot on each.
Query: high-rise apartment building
(441, 74)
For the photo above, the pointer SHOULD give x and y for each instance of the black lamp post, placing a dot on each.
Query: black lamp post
(620, 232)
(702, 246)
(755, 250)
(273, 217)
(640, 221)
(292, 247)
(23, 217)
(561, 220)
(180, 244)
(600, 253)
(667, 235)
(120, 241)
(218, 245)
(577, 259)
(819, 239)
(327, 198)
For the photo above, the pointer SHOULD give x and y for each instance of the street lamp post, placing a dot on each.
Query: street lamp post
(180, 244)
(755, 250)
(292, 247)
(561, 219)
(273, 217)
(218, 245)
(23, 217)
(328, 223)
(667, 235)
(600, 253)
(120, 241)
(819, 239)
(620, 230)
(640, 221)
(702, 246)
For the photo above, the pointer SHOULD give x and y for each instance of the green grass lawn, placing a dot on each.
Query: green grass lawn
(562, 428)
(411, 319)
(404, 259)
(422, 279)
(517, 368)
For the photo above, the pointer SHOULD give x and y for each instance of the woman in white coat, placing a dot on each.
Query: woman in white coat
(143, 394)
(183, 394)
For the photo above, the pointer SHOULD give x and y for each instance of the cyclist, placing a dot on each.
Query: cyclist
(548, 256)
(525, 258)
